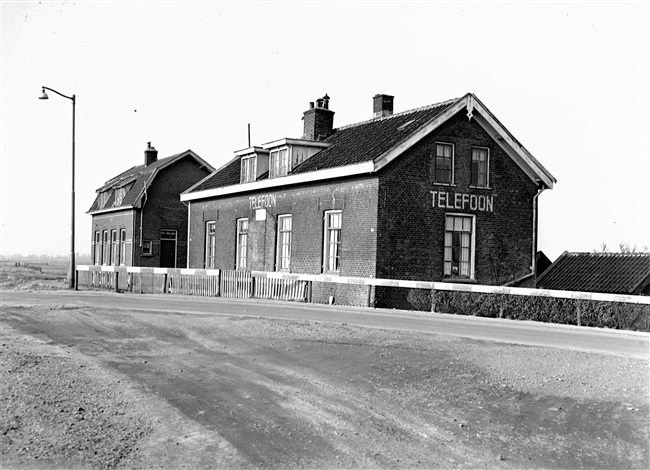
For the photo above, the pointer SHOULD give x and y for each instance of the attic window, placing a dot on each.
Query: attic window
(119, 196)
(103, 198)
(248, 169)
(279, 163)
(405, 125)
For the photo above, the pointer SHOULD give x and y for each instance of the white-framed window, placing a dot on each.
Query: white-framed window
(123, 246)
(283, 249)
(106, 249)
(332, 242)
(459, 245)
(147, 248)
(444, 164)
(242, 244)
(210, 244)
(98, 248)
(480, 167)
(279, 163)
(248, 169)
(115, 248)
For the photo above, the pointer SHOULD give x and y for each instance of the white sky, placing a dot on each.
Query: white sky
(570, 80)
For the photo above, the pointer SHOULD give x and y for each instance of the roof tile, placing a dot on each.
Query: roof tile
(614, 273)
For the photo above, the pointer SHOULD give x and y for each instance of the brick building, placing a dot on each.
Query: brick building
(439, 193)
(138, 218)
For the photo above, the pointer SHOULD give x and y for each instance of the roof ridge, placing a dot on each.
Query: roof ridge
(402, 113)
(575, 253)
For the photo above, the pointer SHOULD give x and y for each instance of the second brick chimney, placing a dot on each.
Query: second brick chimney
(319, 120)
(150, 155)
(382, 106)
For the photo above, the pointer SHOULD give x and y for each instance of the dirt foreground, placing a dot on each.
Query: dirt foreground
(103, 388)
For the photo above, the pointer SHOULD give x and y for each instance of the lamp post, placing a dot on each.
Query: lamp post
(72, 267)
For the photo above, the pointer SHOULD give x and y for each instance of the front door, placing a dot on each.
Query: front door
(168, 248)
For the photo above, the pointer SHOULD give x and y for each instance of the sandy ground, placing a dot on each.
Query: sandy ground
(100, 388)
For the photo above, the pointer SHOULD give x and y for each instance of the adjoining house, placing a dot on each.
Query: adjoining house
(609, 273)
(138, 218)
(439, 193)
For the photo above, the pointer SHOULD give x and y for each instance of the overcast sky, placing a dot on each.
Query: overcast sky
(570, 80)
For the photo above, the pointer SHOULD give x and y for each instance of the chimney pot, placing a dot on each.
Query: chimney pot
(318, 121)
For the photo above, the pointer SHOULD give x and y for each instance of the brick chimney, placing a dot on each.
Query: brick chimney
(319, 120)
(150, 155)
(382, 106)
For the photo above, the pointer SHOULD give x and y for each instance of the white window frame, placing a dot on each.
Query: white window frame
(97, 260)
(122, 246)
(332, 240)
(241, 262)
(115, 248)
(106, 248)
(279, 164)
(283, 246)
(453, 164)
(210, 244)
(147, 248)
(248, 169)
(487, 169)
(448, 249)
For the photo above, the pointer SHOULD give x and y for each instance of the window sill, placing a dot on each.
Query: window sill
(331, 273)
(450, 185)
(480, 187)
(147, 255)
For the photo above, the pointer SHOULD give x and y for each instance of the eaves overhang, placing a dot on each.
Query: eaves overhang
(111, 209)
(330, 173)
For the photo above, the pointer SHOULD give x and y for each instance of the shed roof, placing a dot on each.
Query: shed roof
(614, 273)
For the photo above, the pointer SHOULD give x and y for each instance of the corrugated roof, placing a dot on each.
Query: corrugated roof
(614, 273)
(355, 143)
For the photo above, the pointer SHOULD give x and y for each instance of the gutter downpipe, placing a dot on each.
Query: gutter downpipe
(533, 266)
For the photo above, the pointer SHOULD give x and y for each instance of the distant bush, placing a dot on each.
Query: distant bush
(595, 313)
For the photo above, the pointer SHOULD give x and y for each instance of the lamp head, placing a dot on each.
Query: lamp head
(43, 95)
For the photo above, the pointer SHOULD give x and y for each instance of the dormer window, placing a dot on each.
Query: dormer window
(120, 193)
(279, 165)
(248, 169)
(103, 198)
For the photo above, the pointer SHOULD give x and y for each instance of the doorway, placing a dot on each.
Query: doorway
(168, 248)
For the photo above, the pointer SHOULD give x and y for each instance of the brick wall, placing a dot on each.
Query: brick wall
(411, 230)
(355, 197)
(163, 209)
(109, 222)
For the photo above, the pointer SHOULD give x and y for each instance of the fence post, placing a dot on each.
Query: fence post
(578, 311)
(433, 300)
(76, 279)
(117, 279)
(164, 284)
(369, 300)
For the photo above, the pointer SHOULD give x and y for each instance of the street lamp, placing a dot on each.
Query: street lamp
(71, 269)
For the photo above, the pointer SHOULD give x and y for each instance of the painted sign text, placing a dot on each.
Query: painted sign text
(462, 201)
(260, 202)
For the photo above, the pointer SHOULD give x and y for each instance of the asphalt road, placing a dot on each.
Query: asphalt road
(593, 340)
